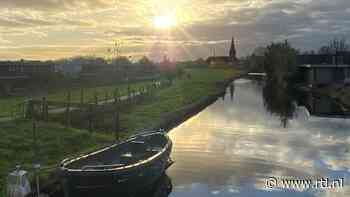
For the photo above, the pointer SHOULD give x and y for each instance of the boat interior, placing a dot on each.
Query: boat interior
(130, 152)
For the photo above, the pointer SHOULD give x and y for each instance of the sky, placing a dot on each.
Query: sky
(180, 29)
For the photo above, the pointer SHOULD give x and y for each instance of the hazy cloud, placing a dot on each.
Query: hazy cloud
(203, 25)
(49, 5)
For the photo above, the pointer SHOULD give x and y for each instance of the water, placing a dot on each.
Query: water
(258, 131)
(233, 146)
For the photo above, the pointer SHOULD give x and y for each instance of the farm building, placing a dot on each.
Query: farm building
(324, 69)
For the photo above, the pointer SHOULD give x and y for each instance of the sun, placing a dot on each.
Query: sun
(165, 22)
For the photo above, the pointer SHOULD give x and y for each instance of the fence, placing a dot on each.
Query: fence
(102, 112)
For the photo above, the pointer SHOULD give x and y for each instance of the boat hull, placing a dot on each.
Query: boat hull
(125, 181)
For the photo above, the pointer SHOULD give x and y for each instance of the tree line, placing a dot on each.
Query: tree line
(282, 57)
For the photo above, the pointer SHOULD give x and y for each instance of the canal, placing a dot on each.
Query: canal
(236, 144)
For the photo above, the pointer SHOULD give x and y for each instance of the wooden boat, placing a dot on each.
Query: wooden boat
(125, 167)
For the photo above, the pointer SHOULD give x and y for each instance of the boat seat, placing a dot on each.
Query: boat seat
(154, 149)
(128, 155)
(102, 166)
(137, 142)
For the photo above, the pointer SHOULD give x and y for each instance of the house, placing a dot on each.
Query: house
(17, 72)
(219, 60)
(324, 74)
(231, 59)
(22, 68)
(319, 59)
(324, 69)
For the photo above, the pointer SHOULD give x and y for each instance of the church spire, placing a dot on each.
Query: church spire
(233, 50)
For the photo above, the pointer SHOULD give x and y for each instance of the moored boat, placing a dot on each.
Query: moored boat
(124, 167)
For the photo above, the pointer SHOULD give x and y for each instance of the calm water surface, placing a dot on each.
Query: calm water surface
(234, 145)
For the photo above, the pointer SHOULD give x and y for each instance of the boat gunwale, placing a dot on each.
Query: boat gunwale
(66, 162)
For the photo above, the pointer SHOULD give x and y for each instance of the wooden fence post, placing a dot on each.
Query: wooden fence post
(44, 109)
(68, 108)
(148, 90)
(116, 122)
(128, 94)
(30, 109)
(24, 110)
(106, 97)
(90, 118)
(96, 98)
(82, 97)
(132, 94)
(140, 94)
(11, 113)
(116, 95)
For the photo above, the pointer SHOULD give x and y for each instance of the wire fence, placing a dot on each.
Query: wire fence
(100, 113)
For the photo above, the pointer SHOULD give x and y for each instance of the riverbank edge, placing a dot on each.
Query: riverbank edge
(175, 118)
(327, 93)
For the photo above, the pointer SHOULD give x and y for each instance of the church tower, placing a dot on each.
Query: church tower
(233, 50)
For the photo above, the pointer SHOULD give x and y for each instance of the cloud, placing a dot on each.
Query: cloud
(54, 5)
(18, 21)
(3, 41)
(24, 22)
(203, 24)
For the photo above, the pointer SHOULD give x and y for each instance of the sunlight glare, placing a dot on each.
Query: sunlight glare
(165, 22)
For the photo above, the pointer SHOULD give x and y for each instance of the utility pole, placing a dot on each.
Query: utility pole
(117, 46)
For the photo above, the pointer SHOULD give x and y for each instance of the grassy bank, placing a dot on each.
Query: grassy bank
(189, 88)
(196, 84)
(55, 142)
(9, 104)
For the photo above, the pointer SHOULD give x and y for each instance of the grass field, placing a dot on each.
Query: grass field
(8, 104)
(55, 142)
(89, 93)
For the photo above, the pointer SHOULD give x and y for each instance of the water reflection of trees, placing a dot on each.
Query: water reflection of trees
(161, 188)
(278, 100)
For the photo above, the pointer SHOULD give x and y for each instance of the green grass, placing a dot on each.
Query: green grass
(55, 142)
(9, 104)
(203, 82)
(89, 93)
